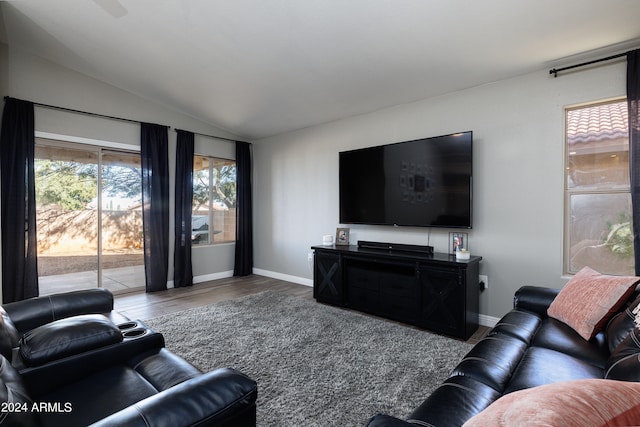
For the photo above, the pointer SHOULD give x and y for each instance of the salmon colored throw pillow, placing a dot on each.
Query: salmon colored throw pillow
(589, 299)
(579, 403)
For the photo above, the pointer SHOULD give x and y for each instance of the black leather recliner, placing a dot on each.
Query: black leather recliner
(70, 360)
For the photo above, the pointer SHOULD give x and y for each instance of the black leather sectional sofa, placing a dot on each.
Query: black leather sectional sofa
(525, 349)
(70, 360)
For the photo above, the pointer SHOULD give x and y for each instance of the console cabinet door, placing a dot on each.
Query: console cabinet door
(327, 278)
(443, 297)
(383, 288)
(363, 287)
(400, 293)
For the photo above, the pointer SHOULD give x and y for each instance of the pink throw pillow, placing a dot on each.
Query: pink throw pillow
(589, 299)
(579, 403)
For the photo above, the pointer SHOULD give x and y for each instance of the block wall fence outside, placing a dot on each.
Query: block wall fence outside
(226, 218)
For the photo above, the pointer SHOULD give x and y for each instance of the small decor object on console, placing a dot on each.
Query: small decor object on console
(342, 236)
(457, 241)
(463, 255)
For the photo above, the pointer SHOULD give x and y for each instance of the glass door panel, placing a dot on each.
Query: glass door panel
(89, 218)
(67, 218)
(121, 221)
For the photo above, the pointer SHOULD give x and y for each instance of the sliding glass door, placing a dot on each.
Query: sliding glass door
(89, 218)
(67, 224)
(122, 260)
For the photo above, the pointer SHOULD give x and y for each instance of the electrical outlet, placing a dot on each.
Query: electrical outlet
(310, 261)
(485, 279)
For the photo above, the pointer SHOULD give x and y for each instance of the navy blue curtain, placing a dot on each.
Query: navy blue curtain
(154, 154)
(19, 250)
(182, 269)
(244, 223)
(633, 102)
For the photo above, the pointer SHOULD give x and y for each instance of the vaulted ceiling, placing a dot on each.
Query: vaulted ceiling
(262, 67)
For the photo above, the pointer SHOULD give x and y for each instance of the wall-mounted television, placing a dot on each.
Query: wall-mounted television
(423, 183)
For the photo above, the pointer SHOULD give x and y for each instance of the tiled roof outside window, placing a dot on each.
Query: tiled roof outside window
(600, 122)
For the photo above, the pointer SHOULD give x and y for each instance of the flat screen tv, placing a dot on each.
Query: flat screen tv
(423, 183)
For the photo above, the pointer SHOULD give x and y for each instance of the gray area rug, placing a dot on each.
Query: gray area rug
(315, 365)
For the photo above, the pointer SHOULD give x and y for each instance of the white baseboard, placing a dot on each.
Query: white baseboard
(286, 277)
(205, 278)
(485, 320)
(213, 276)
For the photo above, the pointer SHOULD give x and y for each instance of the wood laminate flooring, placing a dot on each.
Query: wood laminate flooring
(141, 305)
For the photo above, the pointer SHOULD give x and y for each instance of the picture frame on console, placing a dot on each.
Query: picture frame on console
(342, 236)
(458, 241)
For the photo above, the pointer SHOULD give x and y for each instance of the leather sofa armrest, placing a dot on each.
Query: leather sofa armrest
(67, 337)
(534, 298)
(31, 313)
(59, 373)
(224, 397)
(382, 420)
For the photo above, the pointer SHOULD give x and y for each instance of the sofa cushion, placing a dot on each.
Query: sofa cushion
(67, 337)
(97, 396)
(33, 312)
(590, 299)
(453, 402)
(519, 324)
(492, 360)
(558, 336)
(597, 402)
(153, 367)
(541, 366)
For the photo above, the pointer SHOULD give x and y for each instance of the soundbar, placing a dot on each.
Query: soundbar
(399, 247)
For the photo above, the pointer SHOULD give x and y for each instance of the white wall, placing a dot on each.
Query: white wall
(518, 178)
(35, 79)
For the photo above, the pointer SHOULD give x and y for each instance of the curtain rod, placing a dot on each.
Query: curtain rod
(555, 71)
(70, 110)
(104, 116)
(210, 136)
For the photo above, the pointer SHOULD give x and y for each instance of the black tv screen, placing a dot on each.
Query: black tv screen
(424, 183)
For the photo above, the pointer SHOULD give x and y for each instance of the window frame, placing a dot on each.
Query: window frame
(211, 199)
(569, 192)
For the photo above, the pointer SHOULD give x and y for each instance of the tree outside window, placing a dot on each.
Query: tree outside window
(214, 201)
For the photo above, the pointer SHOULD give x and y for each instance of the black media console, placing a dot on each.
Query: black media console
(407, 283)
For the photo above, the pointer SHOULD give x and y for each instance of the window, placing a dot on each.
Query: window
(214, 201)
(598, 228)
